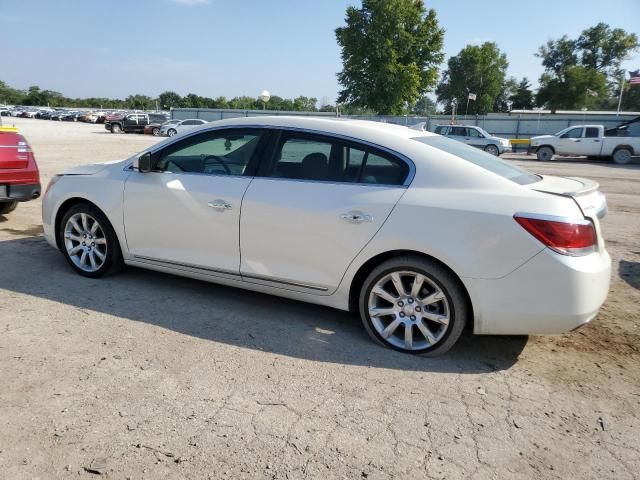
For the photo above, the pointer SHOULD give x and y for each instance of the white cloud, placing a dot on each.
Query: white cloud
(191, 3)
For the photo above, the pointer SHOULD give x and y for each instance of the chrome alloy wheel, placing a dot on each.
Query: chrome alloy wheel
(85, 242)
(408, 310)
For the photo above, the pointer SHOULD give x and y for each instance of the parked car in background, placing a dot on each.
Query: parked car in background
(5, 112)
(132, 122)
(19, 175)
(154, 128)
(419, 233)
(476, 137)
(169, 130)
(586, 140)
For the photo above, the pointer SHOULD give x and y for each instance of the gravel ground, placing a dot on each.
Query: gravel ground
(144, 375)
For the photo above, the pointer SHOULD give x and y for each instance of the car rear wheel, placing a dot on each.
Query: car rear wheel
(413, 305)
(88, 241)
(492, 149)
(155, 131)
(116, 128)
(171, 132)
(8, 207)
(622, 156)
(544, 154)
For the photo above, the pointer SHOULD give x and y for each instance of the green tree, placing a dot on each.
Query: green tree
(305, 104)
(11, 96)
(509, 88)
(139, 102)
(580, 87)
(391, 50)
(169, 100)
(522, 98)
(576, 67)
(424, 107)
(478, 69)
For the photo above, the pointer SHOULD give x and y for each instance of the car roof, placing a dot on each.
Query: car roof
(362, 129)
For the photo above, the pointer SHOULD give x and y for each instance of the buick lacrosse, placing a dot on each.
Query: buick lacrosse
(420, 234)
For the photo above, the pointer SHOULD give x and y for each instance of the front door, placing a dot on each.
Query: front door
(186, 212)
(569, 142)
(313, 208)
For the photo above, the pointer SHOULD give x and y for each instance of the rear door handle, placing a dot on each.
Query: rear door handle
(356, 217)
(219, 205)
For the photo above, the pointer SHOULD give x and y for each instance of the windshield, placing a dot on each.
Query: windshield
(483, 132)
(480, 158)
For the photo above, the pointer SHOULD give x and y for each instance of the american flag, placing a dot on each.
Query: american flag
(635, 78)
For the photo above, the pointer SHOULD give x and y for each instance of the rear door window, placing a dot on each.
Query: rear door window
(591, 132)
(301, 156)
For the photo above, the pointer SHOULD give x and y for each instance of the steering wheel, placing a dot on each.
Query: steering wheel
(220, 161)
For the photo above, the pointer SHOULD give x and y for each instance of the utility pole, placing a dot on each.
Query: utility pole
(620, 96)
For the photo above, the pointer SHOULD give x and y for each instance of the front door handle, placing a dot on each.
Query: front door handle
(219, 205)
(356, 217)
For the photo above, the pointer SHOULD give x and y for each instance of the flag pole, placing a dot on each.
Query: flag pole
(620, 96)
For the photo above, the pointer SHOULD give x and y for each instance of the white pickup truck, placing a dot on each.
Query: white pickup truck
(586, 140)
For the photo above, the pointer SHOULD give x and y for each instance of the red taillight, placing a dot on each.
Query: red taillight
(569, 237)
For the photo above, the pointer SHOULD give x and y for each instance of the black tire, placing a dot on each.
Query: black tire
(448, 284)
(113, 261)
(155, 131)
(492, 149)
(545, 154)
(8, 207)
(622, 156)
(171, 132)
(116, 128)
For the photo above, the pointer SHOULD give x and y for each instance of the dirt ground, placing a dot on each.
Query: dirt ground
(145, 375)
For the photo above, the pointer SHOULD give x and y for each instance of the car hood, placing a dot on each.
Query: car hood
(90, 169)
(542, 137)
(585, 193)
(497, 139)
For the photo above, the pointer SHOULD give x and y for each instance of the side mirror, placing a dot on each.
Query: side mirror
(143, 163)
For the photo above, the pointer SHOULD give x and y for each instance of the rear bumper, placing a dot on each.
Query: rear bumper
(550, 294)
(22, 193)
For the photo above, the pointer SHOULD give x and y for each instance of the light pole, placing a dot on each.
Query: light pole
(264, 96)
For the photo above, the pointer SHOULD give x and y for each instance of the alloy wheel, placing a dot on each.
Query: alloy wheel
(409, 310)
(85, 242)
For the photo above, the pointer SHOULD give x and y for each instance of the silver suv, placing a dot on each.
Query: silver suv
(476, 137)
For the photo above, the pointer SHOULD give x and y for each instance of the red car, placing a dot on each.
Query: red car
(19, 175)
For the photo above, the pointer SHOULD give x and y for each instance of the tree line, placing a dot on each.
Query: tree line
(391, 53)
(35, 96)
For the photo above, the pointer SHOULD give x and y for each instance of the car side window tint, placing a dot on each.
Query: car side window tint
(441, 130)
(318, 158)
(383, 169)
(221, 152)
(457, 131)
(472, 132)
(573, 133)
(591, 132)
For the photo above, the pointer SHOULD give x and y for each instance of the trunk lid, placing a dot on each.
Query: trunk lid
(14, 151)
(583, 191)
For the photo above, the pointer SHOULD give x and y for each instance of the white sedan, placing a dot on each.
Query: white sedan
(171, 128)
(420, 234)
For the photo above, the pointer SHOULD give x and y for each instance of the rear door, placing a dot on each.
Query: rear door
(591, 143)
(570, 141)
(459, 133)
(313, 207)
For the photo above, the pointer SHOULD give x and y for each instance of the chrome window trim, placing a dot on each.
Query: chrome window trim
(410, 176)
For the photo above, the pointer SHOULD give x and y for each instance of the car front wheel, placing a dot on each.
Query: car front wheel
(171, 132)
(88, 241)
(155, 132)
(492, 149)
(413, 305)
(544, 154)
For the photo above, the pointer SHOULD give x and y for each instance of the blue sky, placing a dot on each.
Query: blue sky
(224, 47)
